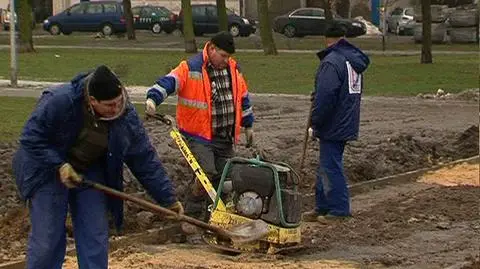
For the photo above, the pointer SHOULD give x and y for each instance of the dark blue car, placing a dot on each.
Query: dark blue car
(205, 21)
(101, 16)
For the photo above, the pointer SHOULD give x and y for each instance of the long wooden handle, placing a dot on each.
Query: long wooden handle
(305, 140)
(155, 208)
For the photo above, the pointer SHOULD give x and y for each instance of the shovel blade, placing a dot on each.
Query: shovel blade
(248, 232)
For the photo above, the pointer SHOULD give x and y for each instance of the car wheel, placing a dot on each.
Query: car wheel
(289, 31)
(107, 29)
(54, 29)
(234, 30)
(156, 28)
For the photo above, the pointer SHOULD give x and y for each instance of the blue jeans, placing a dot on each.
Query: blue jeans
(331, 192)
(47, 239)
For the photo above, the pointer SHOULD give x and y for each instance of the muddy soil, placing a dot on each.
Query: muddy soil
(396, 135)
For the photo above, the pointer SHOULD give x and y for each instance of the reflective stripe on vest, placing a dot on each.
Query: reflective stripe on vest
(192, 103)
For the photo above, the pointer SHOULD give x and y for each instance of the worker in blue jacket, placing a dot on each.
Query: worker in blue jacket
(83, 129)
(335, 120)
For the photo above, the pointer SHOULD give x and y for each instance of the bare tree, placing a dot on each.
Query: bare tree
(188, 34)
(426, 55)
(384, 22)
(222, 15)
(265, 28)
(327, 7)
(127, 7)
(343, 8)
(25, 23)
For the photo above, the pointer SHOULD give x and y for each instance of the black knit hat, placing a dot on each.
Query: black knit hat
(224, 41)
(335, 29)
(104, 84)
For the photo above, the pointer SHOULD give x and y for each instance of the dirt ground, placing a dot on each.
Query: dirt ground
(406, 226)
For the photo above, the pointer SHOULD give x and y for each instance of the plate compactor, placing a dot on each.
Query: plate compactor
(249, 190)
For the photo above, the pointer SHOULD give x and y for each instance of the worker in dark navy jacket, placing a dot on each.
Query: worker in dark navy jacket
(83, 129)
(335, 120)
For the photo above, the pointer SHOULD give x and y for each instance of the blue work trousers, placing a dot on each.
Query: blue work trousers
(48, 212)
(331, 192)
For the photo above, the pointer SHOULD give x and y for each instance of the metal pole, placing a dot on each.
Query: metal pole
(384, 22)
(13, 46)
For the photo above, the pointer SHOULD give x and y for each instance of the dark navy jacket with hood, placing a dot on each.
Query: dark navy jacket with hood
(338, 88)
(53, 128)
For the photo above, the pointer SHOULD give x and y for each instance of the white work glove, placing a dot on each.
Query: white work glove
(150, 106)
(249, 136)
(69, 176)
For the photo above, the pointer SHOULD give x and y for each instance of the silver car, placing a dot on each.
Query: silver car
(399, 20)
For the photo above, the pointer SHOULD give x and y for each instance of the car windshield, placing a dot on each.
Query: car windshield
(163, 11)
(409, 12)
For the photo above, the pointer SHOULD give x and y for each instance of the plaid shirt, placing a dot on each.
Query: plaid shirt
(223, 110)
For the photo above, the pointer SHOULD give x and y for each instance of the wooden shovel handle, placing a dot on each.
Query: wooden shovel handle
(155, 208)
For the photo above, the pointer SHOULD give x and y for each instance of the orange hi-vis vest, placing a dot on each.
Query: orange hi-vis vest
(191, 82)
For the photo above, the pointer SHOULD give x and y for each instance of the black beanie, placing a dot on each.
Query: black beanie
(104, 84)
(224, 41)
(335, 29)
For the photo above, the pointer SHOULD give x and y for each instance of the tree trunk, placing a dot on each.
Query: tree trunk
(222, 15)
(384, 22)
(265, 28)
(188, 34)
(426, 56)
(326, 5)
(25, 23)
(343, 7)
(127, 7)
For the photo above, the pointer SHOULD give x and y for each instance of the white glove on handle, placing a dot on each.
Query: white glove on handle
(69, 176)
(249, 136)
(150, 106)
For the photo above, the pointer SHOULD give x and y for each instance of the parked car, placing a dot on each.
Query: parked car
(205, 21)
(400, 21)
(311, 21)
(154, 18)
(101, 16)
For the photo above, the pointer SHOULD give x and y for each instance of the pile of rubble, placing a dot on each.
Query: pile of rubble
(467, 95)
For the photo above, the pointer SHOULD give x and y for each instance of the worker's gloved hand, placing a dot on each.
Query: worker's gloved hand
(249, 136)
(150, 106)
(177, 207)
(69, 176)
(310, 132)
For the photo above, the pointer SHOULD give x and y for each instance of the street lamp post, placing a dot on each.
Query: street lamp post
(13, 46)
